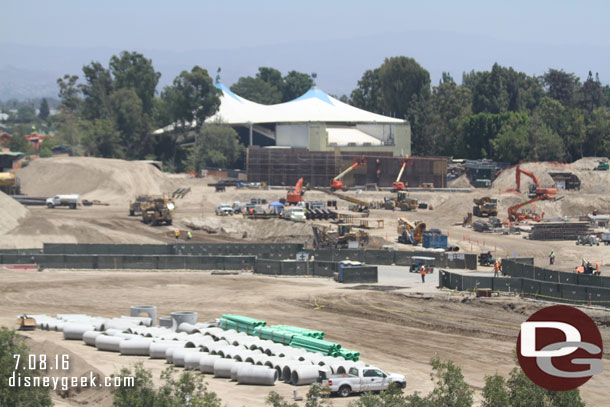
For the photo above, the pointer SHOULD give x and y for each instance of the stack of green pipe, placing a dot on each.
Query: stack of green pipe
(315, 345)
(275, 335)
(301, 331)
(240, 323)
(349, 354)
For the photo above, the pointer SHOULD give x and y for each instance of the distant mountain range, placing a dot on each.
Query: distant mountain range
(30, 71)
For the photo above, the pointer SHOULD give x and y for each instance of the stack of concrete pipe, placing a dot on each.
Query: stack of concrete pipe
(199, 346)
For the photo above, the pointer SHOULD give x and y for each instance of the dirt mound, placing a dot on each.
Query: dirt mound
(460, 182)
(506, 180)
(108, 180)
(269, 230)
(587, 163)
(12, 211)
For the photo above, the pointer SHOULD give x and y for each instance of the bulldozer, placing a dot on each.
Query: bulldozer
(342, 238)
(26, 323)
(401, 201)
(158, 210)
(9, 183)
(485, 207)
(135, 207)
(409, 232)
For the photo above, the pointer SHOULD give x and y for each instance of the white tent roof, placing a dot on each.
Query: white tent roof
(313, 106)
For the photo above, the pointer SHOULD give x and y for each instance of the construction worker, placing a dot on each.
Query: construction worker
(177, 234)
(189, 235)
(552, 257)
(423, 273)
(496, 268)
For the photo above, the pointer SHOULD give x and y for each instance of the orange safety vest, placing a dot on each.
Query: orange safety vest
(497, 266)
(423, 271)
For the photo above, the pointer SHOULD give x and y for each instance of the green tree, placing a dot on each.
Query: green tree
(544, 143)
(257, 90)
(192, 97)
(133, 70)
(450, 390)
(69, 92)
(102, 139)
(522, 392)
(96, 92)
(590, 94)
(215, 146)
(11, 345)
(131, 123)
(26, 114)
(275, 400)
(367, 95)
(271, 76)
(478, 130)
(561, 85)
(598, 133)
(295, 84)
(318, 396)
(44, 109)
(495, 393)
(19, 143)
(511, 144)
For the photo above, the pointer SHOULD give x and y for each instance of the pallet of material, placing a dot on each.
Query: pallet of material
(559, 230)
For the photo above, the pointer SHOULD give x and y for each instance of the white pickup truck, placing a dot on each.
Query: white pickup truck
(359, 379)
(63, 200)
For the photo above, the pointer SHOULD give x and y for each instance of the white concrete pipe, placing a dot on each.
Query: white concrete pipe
(272, 362)
(212, 346)
(303, 375)
(235, 367)
(89, 337)
(135, 347)
(287, 369)
(56, 326)
(150, 310)
(241, 355)
(179, 317)
(188, 328)
(229, 351)
(120, 324)
(145, 321)
(192, 360)
(315, 358)
(199, 341)
(67, 317)
(156, 350)
(221, 350)
(74, 330)
(256, 359)
(206, 364)
(227, 334)
(180, 353)
(214, 332)
(118, 333)
(261, 375)
(222, 367)
(108, 343)
(205, 325)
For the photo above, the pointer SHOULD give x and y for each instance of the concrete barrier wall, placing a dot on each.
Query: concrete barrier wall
(518, 269)
(365, 274)
(541, 290)
(324, 268)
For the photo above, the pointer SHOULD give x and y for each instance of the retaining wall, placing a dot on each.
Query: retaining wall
(517, 268)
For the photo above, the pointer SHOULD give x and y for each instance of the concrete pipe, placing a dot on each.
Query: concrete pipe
(75, 330)
(188, 328)
(56, 326)
(214, 332)
(315, 358)
(260, 375)
(120, 324)
(264, 344)
(117, 332)
(256, 359)
(212, 346)
(179, 317)
(165, 322)
(241, 355)
(179, 354)
(287, 369)
(227, 334)
(236, 365)
(150, 310)
(108, 343)
(144, 321)
(89, 337)
(206, 364)
(156, 350)
(67, 317)
(222, 367)
(205, 325)
(192, 360)
(199, 341)
(272, 362)
(229, 351)
(303, 375)
(135, 347)
(221, 350)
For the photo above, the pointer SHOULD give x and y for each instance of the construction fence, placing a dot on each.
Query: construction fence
(353, 274)
(529, 288)
(518, 268)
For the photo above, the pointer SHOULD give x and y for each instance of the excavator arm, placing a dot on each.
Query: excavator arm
(513, 215)
(296, 196)
(519, 171)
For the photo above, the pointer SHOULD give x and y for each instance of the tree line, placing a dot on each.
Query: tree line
(502, 114)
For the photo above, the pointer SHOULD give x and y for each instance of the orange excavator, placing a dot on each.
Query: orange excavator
(535, 189)
(515, 216)
(336, 184)
(398, 185)
(296, 196)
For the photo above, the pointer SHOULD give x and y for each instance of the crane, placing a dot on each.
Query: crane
(536, 189)
(296, 196)
(336, 183)
(399, 185)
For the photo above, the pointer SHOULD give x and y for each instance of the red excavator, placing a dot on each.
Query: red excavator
(515, 216)
(296, 196)
(535, 189)
(398, 185)
(336, 184)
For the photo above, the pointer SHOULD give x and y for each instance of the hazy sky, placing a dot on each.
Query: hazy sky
(191, 24)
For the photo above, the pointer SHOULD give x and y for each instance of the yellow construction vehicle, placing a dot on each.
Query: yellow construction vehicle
(485, 206)
(158, 210)
(9, 183)
(135, 207)
(26, 323)
(409, 232)
(342, 238)
(401, 201)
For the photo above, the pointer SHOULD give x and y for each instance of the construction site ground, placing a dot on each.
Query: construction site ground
(398, 324)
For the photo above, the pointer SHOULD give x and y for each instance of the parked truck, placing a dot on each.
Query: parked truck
(158, 210)
(359, 379)
(70, 201)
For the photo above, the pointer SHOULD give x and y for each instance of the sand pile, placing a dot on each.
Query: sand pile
(506, 180)
(269, 230)
(108, 180)
(460, 182)
(11, 212)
